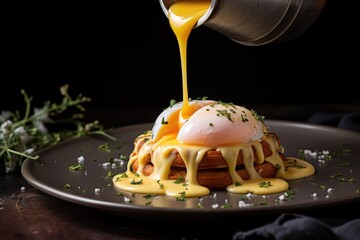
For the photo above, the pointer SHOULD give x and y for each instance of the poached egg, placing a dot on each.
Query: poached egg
(211, 124)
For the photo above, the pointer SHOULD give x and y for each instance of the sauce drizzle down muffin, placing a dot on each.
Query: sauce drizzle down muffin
(220, 146)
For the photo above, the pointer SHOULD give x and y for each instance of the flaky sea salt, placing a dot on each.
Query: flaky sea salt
(81, 160)
(215, 205)
(282, 197)
(242, 204)
(106, 164)
(249, 195)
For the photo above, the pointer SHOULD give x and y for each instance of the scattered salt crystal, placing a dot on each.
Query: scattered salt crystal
(282, 197)
(126, 199)
(307, 151)
(322, 161)
(81, 159)
(120, 161)
(97, 190)
(242, 204)
(106, 164)
(22, 189)
(215, 205)
(330, 190)
(249, 195)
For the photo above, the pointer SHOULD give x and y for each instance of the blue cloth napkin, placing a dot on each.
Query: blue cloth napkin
(301, 227)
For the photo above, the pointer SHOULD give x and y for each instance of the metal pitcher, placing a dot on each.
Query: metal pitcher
(258, 22)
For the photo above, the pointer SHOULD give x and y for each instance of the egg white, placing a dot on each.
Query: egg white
(213, 124)
(167, 121)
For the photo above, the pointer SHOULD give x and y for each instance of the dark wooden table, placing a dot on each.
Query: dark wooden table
(27, 213)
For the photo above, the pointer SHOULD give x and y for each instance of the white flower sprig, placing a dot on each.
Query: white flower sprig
(21, 136)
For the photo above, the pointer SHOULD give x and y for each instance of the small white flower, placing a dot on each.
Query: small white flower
(22, 134)
(42, 114)
(19, 130)
(5, 115)
(29, 151)
(89, 127)
(6, 128)
(41, 127)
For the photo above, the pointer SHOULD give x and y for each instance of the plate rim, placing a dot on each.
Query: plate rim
(129, 209)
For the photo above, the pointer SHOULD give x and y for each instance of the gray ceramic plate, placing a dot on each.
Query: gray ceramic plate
(336, 180)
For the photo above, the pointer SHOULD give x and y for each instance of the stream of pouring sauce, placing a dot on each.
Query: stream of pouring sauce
(183, 16)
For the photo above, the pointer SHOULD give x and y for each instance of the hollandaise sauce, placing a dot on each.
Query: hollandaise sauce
(183, 16)
(163, 149)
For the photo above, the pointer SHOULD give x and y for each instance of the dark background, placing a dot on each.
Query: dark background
(126, 59)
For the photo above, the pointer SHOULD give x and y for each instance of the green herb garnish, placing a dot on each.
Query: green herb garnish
(237, 183)
(182, 196)
(104, 147)
(21, 134)
(224, 113)
(160, 184)
(163, 122)
(265, 184)
(180, 179)
(76, 167)
(172, 102)
(134, 182)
